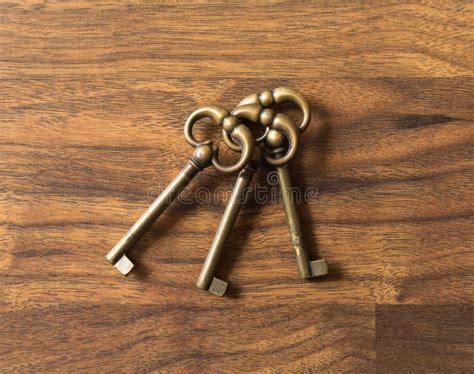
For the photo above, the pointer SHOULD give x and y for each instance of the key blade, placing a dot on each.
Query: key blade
(318, 268)
(218, 287)
(124, 265)
(206, 280)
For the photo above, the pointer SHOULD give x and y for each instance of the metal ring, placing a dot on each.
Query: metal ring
(242, 134)
(216, 113)
(284, 125)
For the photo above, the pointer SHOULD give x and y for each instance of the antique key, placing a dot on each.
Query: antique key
(275, 144)
(207, 280)
(205, 154)
(306, 267)
(278, 128)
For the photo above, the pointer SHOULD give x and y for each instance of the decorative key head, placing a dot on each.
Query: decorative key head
(231, 126)
(280, 95)
(271, 122)
(275, 139)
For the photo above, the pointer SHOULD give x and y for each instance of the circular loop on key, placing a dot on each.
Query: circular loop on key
(282, 95)
(220, 116)
(216, 113)
(244, 137)
(285, 126)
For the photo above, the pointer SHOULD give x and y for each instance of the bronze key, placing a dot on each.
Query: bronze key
(205, 154)
(306, 267)
(207, 280)
(275, 140)
(280, 130)
(201, 159)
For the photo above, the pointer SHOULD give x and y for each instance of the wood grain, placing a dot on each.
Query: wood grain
(93, 101)
(436, 338)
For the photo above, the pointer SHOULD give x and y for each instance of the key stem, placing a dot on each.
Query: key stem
(301, 256)
(206, 279)
(306, 267)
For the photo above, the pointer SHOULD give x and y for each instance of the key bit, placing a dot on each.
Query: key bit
(124, 265)
(319, 267)
(218, 287)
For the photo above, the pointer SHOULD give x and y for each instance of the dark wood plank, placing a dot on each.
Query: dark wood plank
(177, 337)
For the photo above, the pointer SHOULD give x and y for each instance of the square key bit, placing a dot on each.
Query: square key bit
(318, 267)
(124, 265)
(218, 287)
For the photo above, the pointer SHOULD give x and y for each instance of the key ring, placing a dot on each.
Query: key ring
(272, 122)
(231, 127)
(279, 95)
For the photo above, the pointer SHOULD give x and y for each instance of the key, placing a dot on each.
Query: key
(207, 280)
(306, 268)
(201, 159)
(205, 154)
(277, 124)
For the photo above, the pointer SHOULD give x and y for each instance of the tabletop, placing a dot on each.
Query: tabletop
(92, 106)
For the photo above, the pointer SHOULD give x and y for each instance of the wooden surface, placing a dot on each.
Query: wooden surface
(93, 100)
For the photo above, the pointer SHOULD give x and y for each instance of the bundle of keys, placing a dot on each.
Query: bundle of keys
(277, 146)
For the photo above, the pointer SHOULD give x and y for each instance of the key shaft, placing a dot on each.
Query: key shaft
(206, 280)
(306, 267)
(202, 158)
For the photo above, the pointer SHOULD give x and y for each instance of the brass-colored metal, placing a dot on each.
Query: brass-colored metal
(281, 142)
(249, 112)
(215, 112)
(207, 280)
(231, 126)
(283, 124)
(201, 159)
(205, 154)
(245, 112)
(281, 95)
(244, 137)
(266, 117)
(306, 267)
